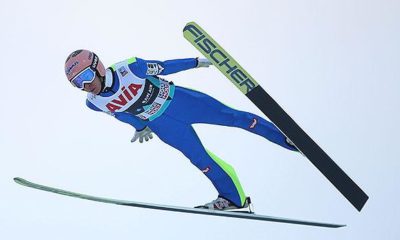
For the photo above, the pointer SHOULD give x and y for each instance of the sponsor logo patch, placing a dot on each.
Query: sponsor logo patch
(122, 99)
(123, 71)
(206, 170)
(253, 125)
(154, 69)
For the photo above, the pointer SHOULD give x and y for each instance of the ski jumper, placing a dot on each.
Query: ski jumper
(134, 94)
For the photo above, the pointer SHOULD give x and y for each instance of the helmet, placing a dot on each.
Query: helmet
(81, 67)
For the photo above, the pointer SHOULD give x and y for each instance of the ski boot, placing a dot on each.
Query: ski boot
(289, 142)
(223, 204)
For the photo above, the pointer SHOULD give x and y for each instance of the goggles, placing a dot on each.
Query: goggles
(86, 76)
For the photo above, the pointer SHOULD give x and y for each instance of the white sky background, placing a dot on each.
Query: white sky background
(332, 65)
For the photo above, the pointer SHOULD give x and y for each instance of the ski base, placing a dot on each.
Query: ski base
(250, 216)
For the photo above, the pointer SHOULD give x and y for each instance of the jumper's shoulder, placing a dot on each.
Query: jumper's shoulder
(136, 65)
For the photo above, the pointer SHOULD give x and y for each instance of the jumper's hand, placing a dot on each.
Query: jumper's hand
(203, 62)
(143, 134)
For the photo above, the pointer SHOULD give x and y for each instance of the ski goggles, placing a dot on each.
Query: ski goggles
(86, 76)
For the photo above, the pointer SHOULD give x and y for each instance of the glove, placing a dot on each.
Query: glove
(143, 134)
(203, 62)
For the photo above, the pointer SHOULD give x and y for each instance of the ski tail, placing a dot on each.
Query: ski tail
(321, 160)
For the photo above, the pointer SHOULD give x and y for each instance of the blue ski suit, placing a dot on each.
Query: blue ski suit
(135, 94)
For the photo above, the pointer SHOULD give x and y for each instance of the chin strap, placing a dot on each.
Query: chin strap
(103, 82)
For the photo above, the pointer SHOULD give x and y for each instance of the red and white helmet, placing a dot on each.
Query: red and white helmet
(81, 66)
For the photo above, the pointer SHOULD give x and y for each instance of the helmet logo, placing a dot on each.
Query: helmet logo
(95, 62)
(68, 70)
(74, 54)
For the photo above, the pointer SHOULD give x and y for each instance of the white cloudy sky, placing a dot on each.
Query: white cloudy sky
(333, 65)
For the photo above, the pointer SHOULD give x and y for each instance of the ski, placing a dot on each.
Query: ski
(252, 216)
(248, 86)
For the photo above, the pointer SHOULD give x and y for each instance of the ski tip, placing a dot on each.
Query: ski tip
(189, 24)
(19, 180)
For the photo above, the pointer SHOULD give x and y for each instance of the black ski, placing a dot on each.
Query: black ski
(247, 85)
